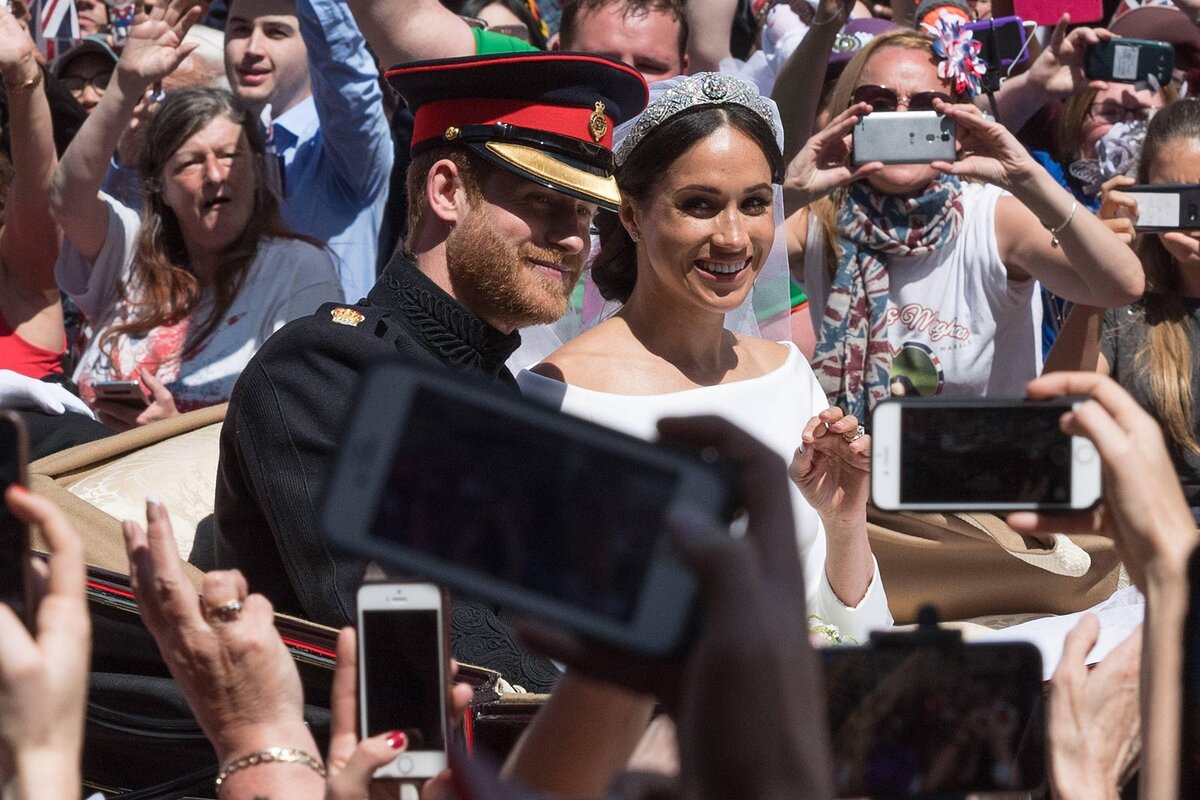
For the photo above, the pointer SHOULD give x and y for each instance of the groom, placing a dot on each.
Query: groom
(501, 191)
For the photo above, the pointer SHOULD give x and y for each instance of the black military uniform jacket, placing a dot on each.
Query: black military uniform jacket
(285, 416)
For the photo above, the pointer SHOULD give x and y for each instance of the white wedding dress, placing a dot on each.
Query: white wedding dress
(774, 408)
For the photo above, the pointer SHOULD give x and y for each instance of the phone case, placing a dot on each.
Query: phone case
(904, 137)
(1048, 12)
(1166, 206)
(1130, 61)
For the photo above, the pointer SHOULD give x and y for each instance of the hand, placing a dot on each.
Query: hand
(351, 762)
(1152, 538)
(1094, 723)
(43, 678)
(821, 165)
(1058, 70)
(234, 671)
(988, 150)
(772, 732)
(1191, 8)
(129, 148)
(18, 54)
(122, 417)
(1118, 210)
(832, 473)
(830, 10)
(21, 391)
(155, 46)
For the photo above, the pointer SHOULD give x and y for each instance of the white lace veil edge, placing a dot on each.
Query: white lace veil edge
(765, 313)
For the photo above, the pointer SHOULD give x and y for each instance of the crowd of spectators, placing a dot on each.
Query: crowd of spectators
(253, 202)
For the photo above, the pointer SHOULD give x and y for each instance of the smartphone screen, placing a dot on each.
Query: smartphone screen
(555, 515)
(1015, 454)
(14, 540)
(910, 722)
(1002, 40)
(402, 670)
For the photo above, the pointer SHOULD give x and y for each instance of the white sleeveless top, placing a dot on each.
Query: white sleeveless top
(773, 408)
(950, 308)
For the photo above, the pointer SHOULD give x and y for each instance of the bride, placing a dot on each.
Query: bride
(699, 174)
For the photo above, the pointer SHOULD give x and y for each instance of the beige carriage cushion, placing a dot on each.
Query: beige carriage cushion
(180, 471)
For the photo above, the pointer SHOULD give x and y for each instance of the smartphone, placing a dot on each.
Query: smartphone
(930, 720)
(14, 534)
(1003, 42)
(520, 505)
(904, 137)
(1129, 61)
(929, 454)
(404, 671)
(125, 393)
(1189, 751)
(1166, 206)
(1048, 12)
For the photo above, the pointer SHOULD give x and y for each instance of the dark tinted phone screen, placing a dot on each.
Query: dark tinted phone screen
(1001, 43)
(524, 505)
(984, 455)
(12, 530)
(402, 670)
(907, 722)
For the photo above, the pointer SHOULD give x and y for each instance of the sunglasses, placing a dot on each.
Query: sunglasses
(882, 98)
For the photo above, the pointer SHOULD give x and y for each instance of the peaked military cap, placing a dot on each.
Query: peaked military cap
(548, 117)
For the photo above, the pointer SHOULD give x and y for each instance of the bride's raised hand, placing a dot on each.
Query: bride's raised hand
(823, 163)
(832, 467)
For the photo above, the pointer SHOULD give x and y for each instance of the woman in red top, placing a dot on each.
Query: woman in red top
(32, 340)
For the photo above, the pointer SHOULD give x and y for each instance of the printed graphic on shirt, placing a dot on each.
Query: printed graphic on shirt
(916, 371)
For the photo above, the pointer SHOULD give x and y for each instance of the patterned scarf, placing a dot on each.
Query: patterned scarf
(853, 359)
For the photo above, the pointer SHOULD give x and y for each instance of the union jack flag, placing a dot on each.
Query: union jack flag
(57, 26)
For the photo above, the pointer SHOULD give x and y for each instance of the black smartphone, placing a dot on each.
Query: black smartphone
(1166, 206)
(1129, 61)
(1189, 750)
(1003, 42)
(14, 534)
(125, 393)
(930, 454)
(404, 671)
(932, 719)
(495, 497)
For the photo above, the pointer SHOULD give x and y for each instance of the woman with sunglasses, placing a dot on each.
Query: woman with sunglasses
(926, 274)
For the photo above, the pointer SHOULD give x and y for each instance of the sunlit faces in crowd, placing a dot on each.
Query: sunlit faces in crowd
(707, 229)
(1120, 102)
(907, 71)
(209, 184)
(648, 41)
(1178, 161)
(515, 257)
(265, 57)
(93, 16)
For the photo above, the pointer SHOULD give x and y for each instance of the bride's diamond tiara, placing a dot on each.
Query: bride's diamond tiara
(707, 89)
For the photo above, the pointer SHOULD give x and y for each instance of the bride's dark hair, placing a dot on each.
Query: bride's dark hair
(615, 268)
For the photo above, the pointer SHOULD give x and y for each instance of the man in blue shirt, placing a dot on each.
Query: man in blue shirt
(305, 67)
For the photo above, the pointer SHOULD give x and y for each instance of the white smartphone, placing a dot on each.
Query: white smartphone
(403, 672)
(929, 454)
(903, 137)
(125, 393)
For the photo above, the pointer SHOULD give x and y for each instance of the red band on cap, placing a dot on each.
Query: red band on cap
(432, 119)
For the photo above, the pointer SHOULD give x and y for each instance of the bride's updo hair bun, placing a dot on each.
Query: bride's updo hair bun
(615, 269)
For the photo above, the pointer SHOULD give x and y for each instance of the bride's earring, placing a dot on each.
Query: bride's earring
(633, 235)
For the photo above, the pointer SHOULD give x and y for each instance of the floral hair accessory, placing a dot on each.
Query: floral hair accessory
(959, 53)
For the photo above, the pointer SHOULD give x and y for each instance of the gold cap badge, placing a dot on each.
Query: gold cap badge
(347, 316)
(451, 133)
(597, 122)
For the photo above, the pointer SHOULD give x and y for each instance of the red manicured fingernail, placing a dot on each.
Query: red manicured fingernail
(19, 489)
(397, 740)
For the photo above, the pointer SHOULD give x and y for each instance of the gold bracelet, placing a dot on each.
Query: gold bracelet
(27, 85)
(1054, 232)
(272, 755)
